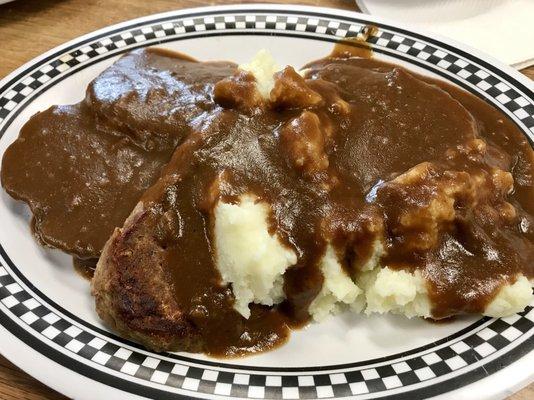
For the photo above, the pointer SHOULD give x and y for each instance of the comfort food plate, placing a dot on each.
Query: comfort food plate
(50, 327)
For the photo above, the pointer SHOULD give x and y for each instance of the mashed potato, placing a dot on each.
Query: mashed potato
(339, 292)
(263, 67)
(511, 298)
(254, 261)
(248, 257)
(399, 292)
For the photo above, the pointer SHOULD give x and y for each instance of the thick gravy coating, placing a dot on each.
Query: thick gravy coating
(82, 168)
(358, 152)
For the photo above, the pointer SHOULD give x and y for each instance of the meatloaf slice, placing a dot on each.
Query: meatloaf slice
(82, 168)
(135, 298)
(157, 282)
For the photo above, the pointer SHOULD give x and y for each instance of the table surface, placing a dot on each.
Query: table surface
(31, 27)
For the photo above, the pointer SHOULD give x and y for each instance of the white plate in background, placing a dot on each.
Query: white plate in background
(501, 28)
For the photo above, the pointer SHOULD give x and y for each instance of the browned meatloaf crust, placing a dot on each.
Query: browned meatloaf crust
(135, 299)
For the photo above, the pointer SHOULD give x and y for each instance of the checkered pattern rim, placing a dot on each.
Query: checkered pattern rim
(493, 338)
(408, 373)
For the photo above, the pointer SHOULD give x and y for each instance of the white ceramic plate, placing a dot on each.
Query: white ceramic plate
(50, 329)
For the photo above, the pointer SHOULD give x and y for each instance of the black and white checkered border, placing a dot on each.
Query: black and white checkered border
(408, 372)
(100, 352)
(511, 100)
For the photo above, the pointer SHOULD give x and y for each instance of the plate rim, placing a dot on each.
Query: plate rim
(249, 7)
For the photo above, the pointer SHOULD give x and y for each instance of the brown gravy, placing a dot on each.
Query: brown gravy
(358, 152)
(86, 165)
(85, 267)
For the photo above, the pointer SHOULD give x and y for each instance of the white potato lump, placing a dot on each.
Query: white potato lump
(511, 298)
(248, 257)
(398, 292)
(339, 292)
(263, 67)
